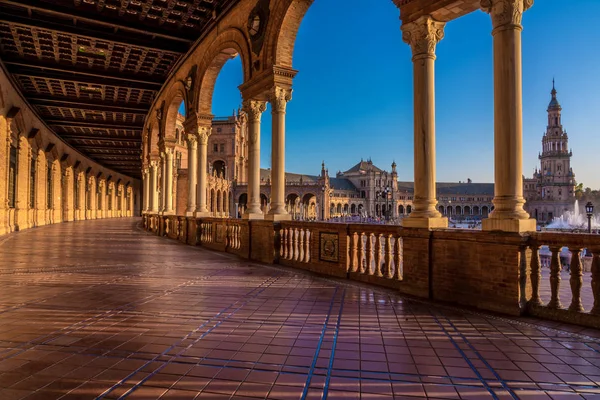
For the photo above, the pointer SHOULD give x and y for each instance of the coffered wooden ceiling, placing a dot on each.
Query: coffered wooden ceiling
(91, 68)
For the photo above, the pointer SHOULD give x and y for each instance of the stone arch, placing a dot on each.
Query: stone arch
(173, 99)
(476, 210)
(467, 210)
(227, 45)
(353, 209)
(408, 209)
(218, 167)
(281, 35)
(442, 210)
(218, 201)
(458, 210)
(153, 135)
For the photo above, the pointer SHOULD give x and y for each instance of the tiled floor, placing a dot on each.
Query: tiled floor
(102, 309)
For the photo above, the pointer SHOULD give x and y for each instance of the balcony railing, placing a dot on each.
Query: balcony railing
(544, 274)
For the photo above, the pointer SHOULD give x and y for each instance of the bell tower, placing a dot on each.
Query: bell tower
(556, 178)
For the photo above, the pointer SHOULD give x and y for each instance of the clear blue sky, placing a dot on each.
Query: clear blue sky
(353, 93)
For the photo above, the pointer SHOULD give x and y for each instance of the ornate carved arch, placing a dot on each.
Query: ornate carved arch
(222, 49)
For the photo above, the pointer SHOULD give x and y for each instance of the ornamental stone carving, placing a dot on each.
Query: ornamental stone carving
(423, 35)
(254, 109)
(279, 98)
(506, 12)
(203, 134)
(192, 141)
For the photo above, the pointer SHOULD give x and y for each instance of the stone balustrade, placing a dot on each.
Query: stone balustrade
(493, 271)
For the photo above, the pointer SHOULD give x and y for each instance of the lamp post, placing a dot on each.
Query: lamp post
(385, 193)
(323, 204)
(589, 210)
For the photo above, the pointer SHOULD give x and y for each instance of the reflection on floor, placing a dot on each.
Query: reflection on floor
(102, 309)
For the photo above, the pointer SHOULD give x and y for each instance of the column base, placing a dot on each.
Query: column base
(424, 222)
(203, 214)
(509, 225)
(253, 216)
(278, 217)
(190, 213)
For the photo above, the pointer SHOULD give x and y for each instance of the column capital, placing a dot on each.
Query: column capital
(254, 109)
(423, 35)
(279, 97)
(192, 140)
(506, 12)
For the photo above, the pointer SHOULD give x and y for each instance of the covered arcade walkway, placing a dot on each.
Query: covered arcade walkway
(102, 309)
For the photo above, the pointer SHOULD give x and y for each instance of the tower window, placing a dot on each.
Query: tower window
(555, 120)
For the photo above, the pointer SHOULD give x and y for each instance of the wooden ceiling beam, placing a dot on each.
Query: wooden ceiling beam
(92, 124)
(113, 150)
(69, 102)
(56, 27)
(97, 19)
(103, 138)
(94, 107)
(74, 74)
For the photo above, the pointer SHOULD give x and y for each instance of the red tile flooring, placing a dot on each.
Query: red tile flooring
(100, 309)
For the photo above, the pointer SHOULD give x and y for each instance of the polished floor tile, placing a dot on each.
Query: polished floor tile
(101, 309)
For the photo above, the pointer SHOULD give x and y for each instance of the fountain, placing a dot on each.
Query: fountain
(573, 220)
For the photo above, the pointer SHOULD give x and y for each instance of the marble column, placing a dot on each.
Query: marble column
(93, 197)
(169, 181)
(202, 178)
(163, 182)
(22, 184)
(279, 98)
(154, 187)
(508, 214)
(254, 110)
(102, 199)
(192, 174)
(147, 192)
(81, 206)
(423, 35)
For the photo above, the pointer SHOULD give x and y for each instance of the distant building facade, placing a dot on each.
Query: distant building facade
(366, 190)
(551, 190)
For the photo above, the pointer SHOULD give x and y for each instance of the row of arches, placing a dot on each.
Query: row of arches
(482, 211)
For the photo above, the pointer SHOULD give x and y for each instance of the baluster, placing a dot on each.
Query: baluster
(282, 243)
(295, 244)
(284, 240)
(398, 258)
(307, 239)
(576, 280)
(238, 235)
(361, 253)
(290, 243)
(378, 255)
(387, 273)
(523, 277)
(535, 274)
(301, 245)
(354, 253)
(369, 271)
(555, 278)
(596, 280)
